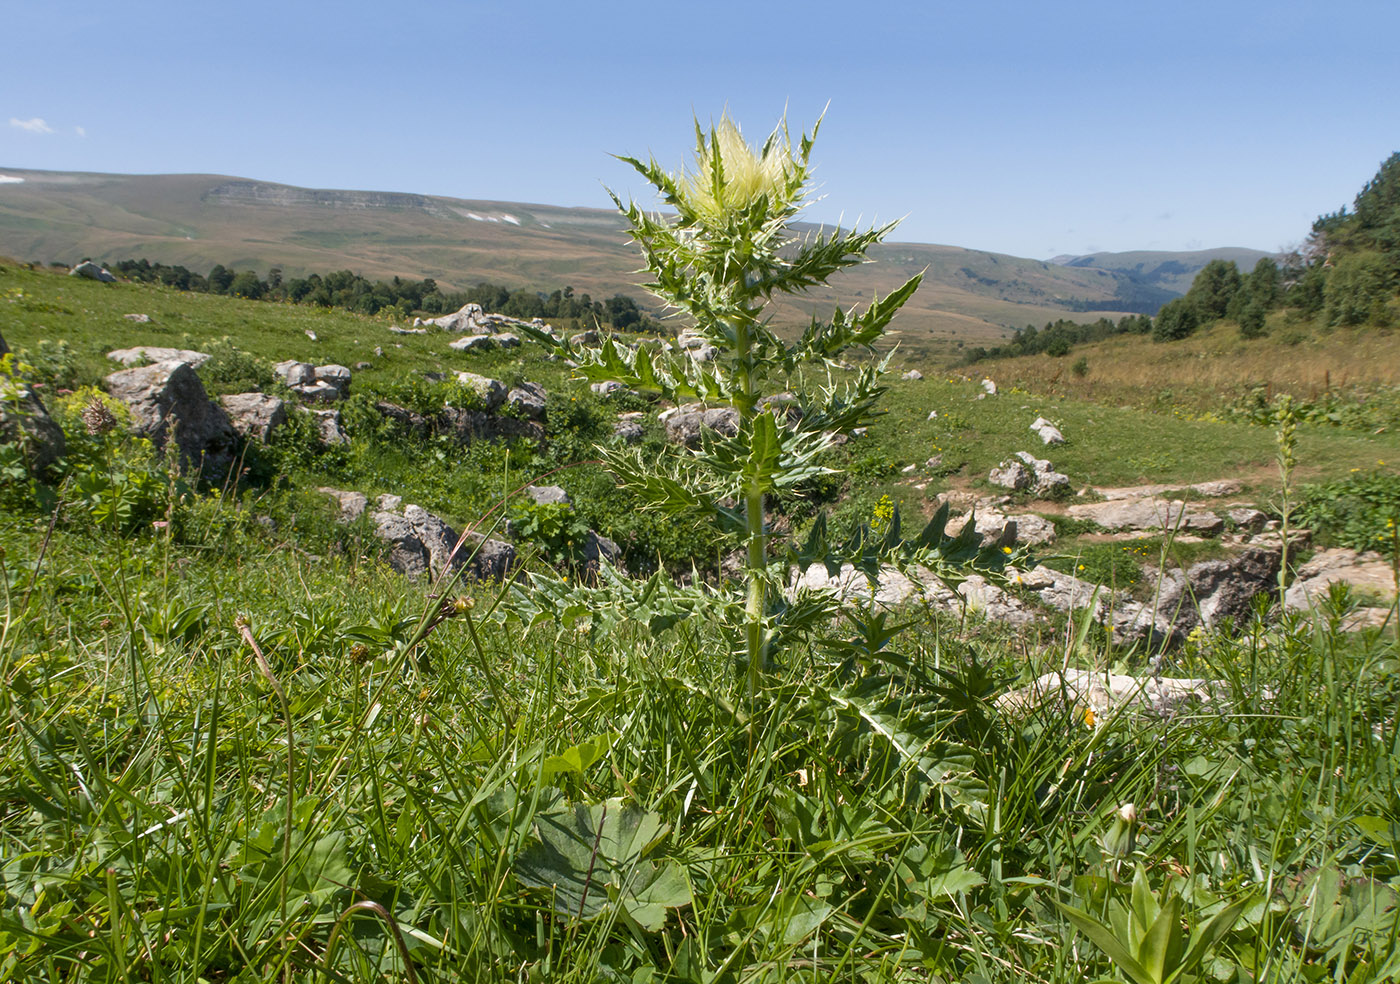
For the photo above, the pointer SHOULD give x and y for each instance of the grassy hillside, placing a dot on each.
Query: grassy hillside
(201, 220)
(236, 747)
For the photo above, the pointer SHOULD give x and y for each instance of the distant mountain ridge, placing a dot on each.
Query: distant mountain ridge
(199, 220)
(1168, 272)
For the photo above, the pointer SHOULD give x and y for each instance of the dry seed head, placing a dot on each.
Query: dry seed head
(97, 418)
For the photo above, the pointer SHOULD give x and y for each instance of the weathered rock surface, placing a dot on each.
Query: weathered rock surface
(1149, 514)
(157, 353)
(421, 543)
(1027, 473)
(1047, 431)
(23, 413)
(168, 400)
(1212, 490)
(598, 550)
(996, 527)
(1105, 692)
(913, 374)
(315, 384)
(628, 431)
(529, 400)
(491, 392)
(140, 319)
(1368, 573)
(607, 387)
(691, 421)
(255, 415)
(473, 343)
(92, 271)
(350, 506)
(329, 427)
(548, 495)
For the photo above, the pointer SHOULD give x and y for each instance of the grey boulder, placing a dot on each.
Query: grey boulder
(168, 402)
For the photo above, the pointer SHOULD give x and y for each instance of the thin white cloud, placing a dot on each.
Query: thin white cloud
(80, 131)
(35, 125)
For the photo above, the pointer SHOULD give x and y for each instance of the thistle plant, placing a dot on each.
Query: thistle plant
(719, 261)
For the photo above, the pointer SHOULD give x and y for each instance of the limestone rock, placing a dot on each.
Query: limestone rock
(1105, 692)
(607, 387)
(421, 543)
(1047, 431)
(92, 271)
(329, 427)
(350, 505)
(628, 431)
(491, 392)
(589, 337)
(1365, 572)
(597, 551)
(690, 422)
(168, 400)
(989, 388)
(913, 374)
(1245, 518)
(140, 319)
(1149, 514)
(548, 495)
(473, 343)
(466, 318)
(529, 400)
(255, 415)
(157, 353)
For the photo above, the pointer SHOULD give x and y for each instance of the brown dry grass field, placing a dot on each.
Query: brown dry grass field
(1210, 368)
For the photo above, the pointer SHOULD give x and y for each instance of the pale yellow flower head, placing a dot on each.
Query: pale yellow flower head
(748, 172)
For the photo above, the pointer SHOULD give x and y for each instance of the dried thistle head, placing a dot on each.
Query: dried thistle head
(97, 418)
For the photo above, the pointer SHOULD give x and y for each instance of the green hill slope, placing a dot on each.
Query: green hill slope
(201, 220)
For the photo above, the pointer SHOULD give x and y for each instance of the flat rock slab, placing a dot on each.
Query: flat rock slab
(1211, 490)
(1106, 692)
(142, 354)
(1148, 514)
(1369, 573)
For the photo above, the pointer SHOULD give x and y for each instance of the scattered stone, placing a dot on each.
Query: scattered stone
(548, 495)
(989, 388)
(933, 415)
(351, 505)
(157, 353)
(167, 399)
(389, 502)
(1369, 573)
(692, 421)
(421, 543)
(140, 319)
(22, 413)
(379, 351)
(529, 400)
(311, 334)
(473, 343)
(628, 431)
(1245, 518)
(598, 550)
(860, 431)
(395, 329)
(362, 366)
(1012, 474)
(335, 376)
(1027, 473)
(1048, 432)
(466, 318)
(1105, 692)
(589, 337)
(909, 469)
(492, 392)
(507, 340)
(607, 387)
(913, 374)
(255, 415)
(329, 427)
(934, 463)
(92, 271)
(295, 373)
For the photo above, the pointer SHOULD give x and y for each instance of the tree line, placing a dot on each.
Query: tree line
(397, 297)
(1346, 273)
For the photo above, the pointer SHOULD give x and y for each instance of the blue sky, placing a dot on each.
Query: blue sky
(1029, 128)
